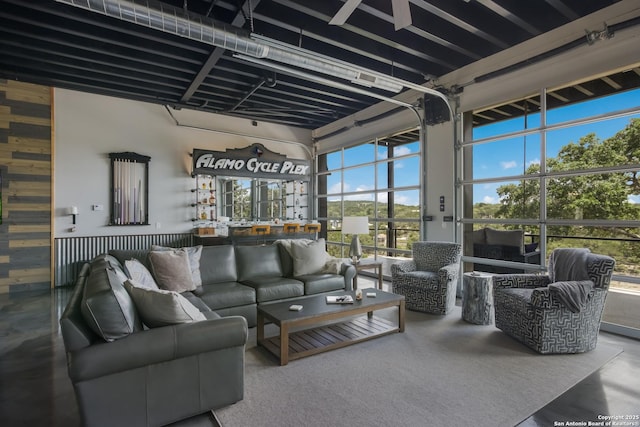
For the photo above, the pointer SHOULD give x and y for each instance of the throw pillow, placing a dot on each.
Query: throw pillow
(309, 256)
(194, 253)
(139, 273)
(172, 270)
(332, 266)
(162, 308)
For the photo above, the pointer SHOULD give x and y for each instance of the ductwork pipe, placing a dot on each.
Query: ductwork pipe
(172, 20)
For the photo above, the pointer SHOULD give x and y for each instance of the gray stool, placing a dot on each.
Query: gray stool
(477, 298)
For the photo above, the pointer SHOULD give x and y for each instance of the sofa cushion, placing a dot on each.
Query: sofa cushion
(123, 255)
(318, 283)
(106, 306)
(172, 270)
(158, 307)
(276, 288)
(218, 264)
(137, 271)
(478, 236)
(193, 253)
(226, 294)
(257, 262)
(196, 301)
(286, 260)
(505, 238)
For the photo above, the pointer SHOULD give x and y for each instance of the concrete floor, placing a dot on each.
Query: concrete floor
(35, 389)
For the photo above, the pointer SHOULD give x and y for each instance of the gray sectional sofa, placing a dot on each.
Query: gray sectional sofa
(125, 372)
(235, 279)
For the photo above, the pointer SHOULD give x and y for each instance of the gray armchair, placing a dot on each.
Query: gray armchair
(429, 280)
(559, 312)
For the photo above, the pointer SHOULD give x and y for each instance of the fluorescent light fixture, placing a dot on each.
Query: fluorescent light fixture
(318, 79)
(298, 57)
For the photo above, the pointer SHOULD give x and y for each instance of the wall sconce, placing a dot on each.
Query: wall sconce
(73, 211)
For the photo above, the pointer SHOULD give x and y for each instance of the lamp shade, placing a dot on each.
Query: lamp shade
(355, 225)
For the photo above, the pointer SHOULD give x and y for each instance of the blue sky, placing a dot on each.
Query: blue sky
(513, 156)
(492, 160)
(362, 180)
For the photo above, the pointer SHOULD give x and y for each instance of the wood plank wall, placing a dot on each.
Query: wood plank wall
(26, 169)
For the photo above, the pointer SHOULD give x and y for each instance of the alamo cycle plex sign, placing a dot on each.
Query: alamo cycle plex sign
(254, 161)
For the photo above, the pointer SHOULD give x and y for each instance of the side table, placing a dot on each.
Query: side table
(477, 298)
(367, 264)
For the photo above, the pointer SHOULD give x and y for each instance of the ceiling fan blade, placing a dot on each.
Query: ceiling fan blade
(345, 12)
(401, 14)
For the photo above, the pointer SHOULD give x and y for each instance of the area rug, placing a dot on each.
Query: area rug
(442, 371)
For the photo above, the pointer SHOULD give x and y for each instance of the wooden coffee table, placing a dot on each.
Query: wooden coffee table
(326, 333)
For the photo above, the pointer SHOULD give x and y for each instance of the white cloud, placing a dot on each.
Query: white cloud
(337, 188)
(401, 200)
(633, 198)
(403, 150)
(509, 165)
(363, 187)
(366, 196)
(489, 200)
(534, 162)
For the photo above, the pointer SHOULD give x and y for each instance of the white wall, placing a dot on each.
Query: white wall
(440, 182)
(88, 127)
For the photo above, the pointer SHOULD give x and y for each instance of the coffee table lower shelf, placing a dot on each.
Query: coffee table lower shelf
(329, 337)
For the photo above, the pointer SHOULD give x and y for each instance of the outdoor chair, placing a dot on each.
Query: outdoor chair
(428, 280)
(558, 312)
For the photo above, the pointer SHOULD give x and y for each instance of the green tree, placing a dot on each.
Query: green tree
(588, 196)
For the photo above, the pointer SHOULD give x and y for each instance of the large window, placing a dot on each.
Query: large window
(379, 180)
(563, 166)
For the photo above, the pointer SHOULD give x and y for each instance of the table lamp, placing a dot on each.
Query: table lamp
(355, 225)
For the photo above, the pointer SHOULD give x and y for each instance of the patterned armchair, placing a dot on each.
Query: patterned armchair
(559, 312)
(429, 280)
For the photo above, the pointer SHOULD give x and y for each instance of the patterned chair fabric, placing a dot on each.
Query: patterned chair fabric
(428, 280)
(527, 309)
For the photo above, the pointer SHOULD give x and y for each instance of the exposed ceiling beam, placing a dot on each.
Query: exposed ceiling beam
(459, 22)
(507, 14)
(238, 21)
(564, 9)
(369, 34)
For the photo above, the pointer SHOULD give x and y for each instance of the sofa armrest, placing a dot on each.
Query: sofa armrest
(157, 345)
(449, 272)
(531, 257)
(403, 267)
(520, 281)
(541, 298)
(349, 272)
(544, 297)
